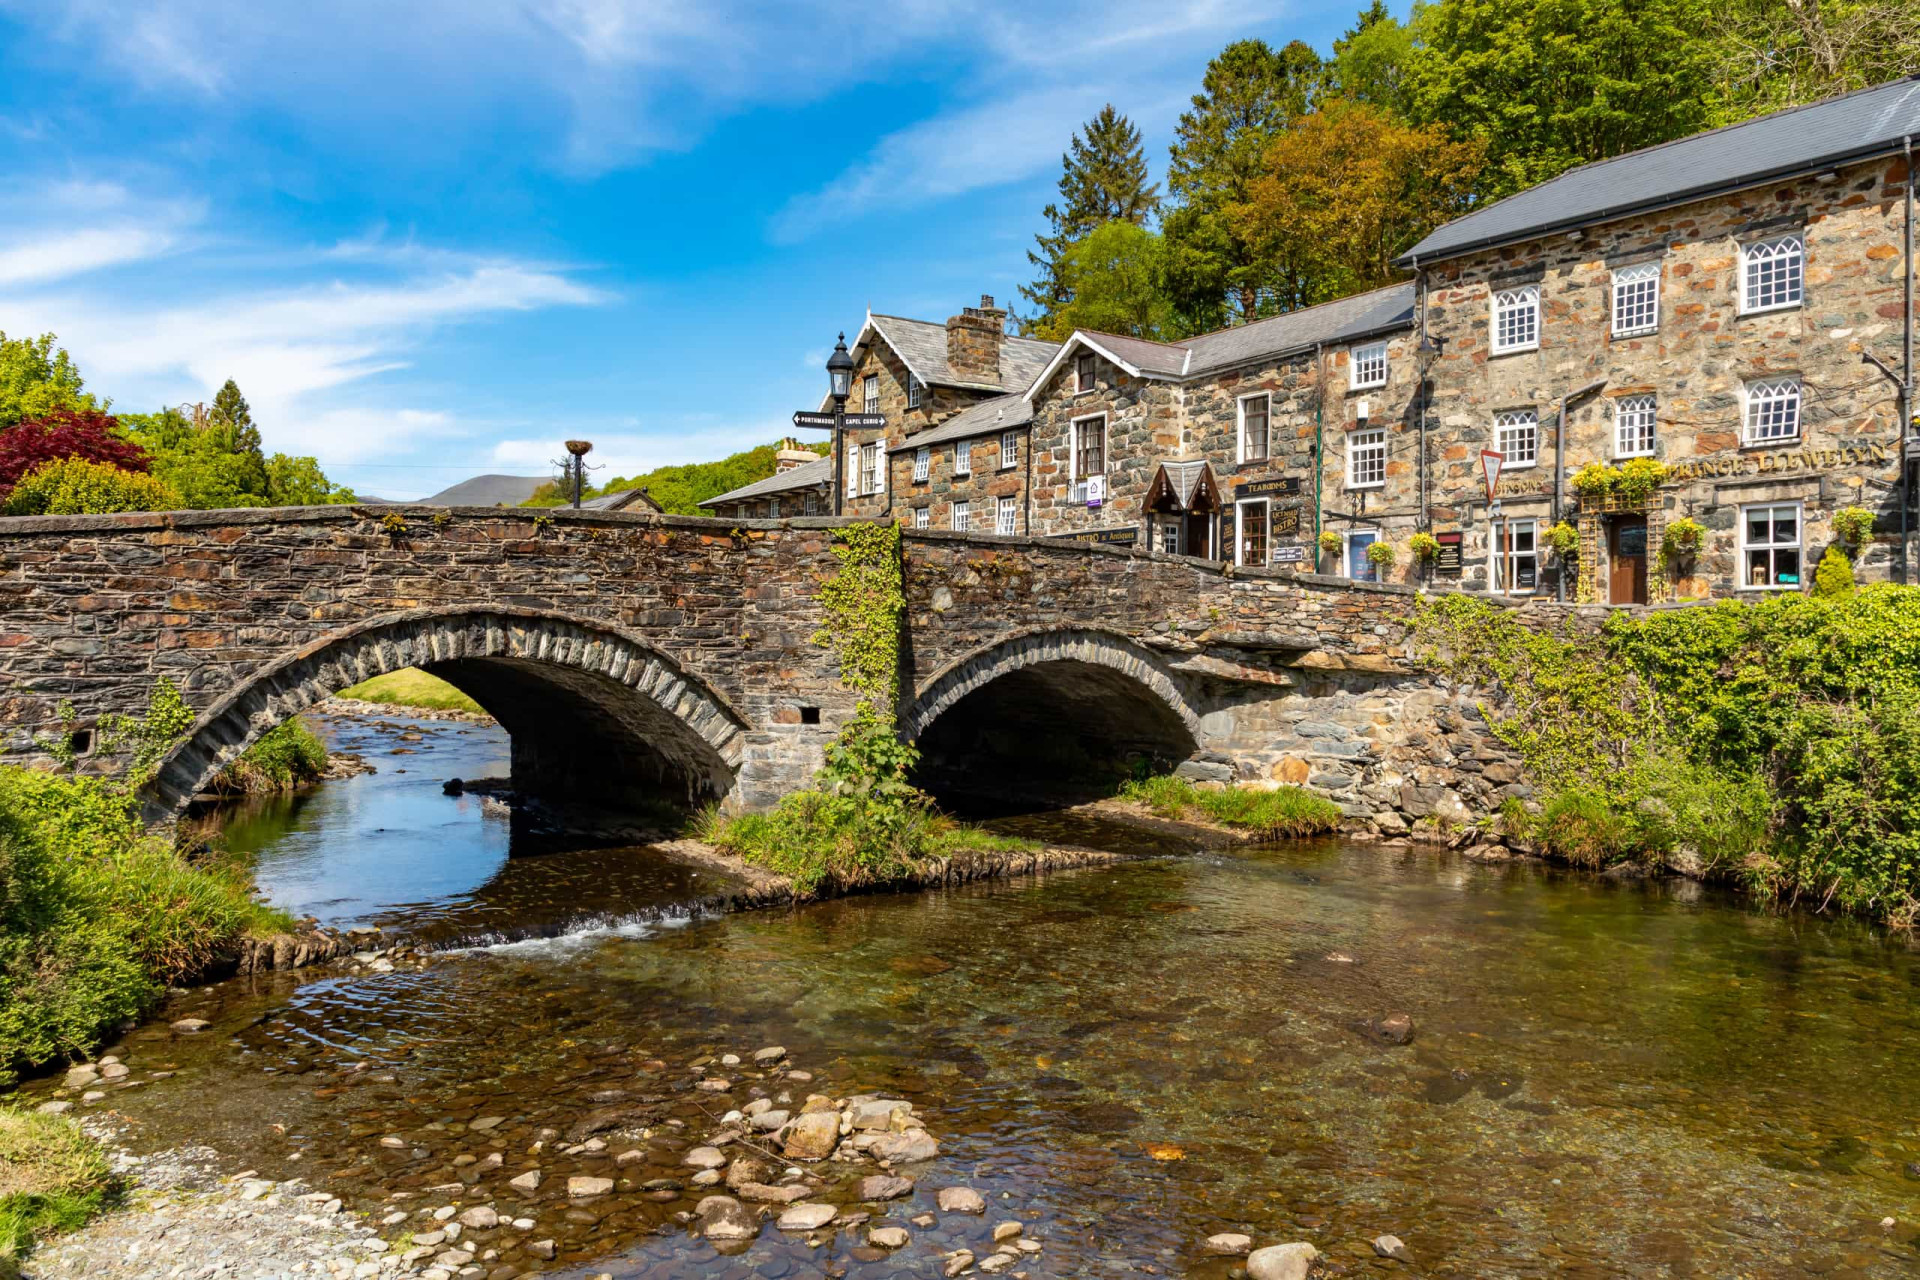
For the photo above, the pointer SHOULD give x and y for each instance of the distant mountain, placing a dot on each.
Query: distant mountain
(487, 491)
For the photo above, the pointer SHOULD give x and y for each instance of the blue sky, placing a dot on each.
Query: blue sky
(436, 238)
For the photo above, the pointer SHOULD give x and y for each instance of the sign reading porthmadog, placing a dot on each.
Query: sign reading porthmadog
(805, 419)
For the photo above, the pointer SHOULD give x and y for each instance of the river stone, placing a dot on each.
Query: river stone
(715, 1084)
(1006, 1231)
(764, 1194)
(772, 1053)
(813, 1136)
(625, 1158)
(84, 1074)
(880, 1114)
(1395, 1028)
(1282, 1261)
(961, 1200)
(113, 1070)
(579, 1186)
(724, 1218)
(543, 1250)
(187, 1026)
(53, 1108)
(480, 1218)
(707, 1178)
(806, 1217)
(528, 1181)
(957, 1261)
(818, 1102)
(769, 1121)
(884, 1187)
(888, 1237)
(758, 1105)
(747, 1169)
(485, 1123)
(1230, 1244)
(903, 1148)
(997, 1262)
(705, 1158)
(1392, 1247)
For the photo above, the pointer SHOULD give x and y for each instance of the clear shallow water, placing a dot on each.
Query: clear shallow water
(1606, 1079)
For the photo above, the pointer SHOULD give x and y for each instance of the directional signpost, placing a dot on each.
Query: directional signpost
(802, 418)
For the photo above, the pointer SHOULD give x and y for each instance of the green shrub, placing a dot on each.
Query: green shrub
(79, 486)
(1276, 813)
(1583, 827)
(286, 756)
(1853, 525)
(1834, 577)
(52, 1178)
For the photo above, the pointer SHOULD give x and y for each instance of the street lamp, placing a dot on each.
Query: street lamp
(1906, 467)
(840, 382)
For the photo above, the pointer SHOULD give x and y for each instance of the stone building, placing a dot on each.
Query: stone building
(1706, 304)
(801, 485)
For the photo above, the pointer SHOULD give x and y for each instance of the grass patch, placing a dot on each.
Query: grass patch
(1275, 814)
(820, 839)
(53, 1178)
(97, 917)
(287, 756)
(412, 687)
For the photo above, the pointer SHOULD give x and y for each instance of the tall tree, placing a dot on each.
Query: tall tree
(1249, 94)
(1781, 53)
(1346, 190)
(1103, 179)
(1115, 276)
(36, 378)
(1370, 61)
(1550, 84)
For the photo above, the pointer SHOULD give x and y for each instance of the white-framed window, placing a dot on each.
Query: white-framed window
(870, 468)
(1009, 449)
(1770, 546)
(1083, 372)
(1250, 533)
(1255, 426)
(773, 508)
(1169, 543)
(1516, 319)
(1005, 515)
(913, 392)
(922, 464)
(870, 392)
(962, 516)
(810, 505)
(963, 457)
(1636, 299)
(1772, 411)
(1087, 445)
(1515, 556)
(1369, 366)
(922, 517)
(1772, 274)
(1633, 419)
(1516, 433)
(1358, 567)
(1367, 458)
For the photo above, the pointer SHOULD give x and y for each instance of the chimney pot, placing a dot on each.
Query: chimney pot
(974, 339)
(986, 302)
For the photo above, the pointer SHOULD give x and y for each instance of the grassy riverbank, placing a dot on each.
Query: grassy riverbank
(97, 917)
(285, 757)
(1775, 743)
(1277, 813)
(53, 1178)
(412, 687)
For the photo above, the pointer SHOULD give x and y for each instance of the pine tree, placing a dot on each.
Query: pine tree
(231, 424)
(1103, 179)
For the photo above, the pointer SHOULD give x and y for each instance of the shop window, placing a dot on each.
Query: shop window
(1254, 411)
(1770, 546)
(1367, 458)
(1633, 418)
(922, 464)
(1005, 516)
(963, 458)
(1250, 542)
(1636, 299)
(1516, 319)
(1359, 568)
(1517, 435)
(1772, 274)
(1009, 449)
(1369, 366)
(1772, 411)
(1516, 556)
(962, 516)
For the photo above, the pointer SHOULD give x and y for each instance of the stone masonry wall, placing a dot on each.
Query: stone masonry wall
(1143, 429)
(994, 473)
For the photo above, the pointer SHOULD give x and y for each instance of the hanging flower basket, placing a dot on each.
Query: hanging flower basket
(1853, 525)
(1330, 543)
(1564, 539)
(1682, 538)
(1424, 546)
(1381, 554)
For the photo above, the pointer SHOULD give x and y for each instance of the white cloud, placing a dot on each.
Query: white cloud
(63, 254)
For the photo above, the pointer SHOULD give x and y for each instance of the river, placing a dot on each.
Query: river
(1607, 1079)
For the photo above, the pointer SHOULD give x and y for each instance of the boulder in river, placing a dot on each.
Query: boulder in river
(961, 1200)
(813, 1136)
(884, 1187)
(747, 1169)
(888, 1237)
(1282, 1261)
(806, 1217)
(1395, 1028)
(724, 1218)
(189, 1026)
(902, 1148)
(1392, 1247)
(761, 1193)
(706, 1158)
(528, 1181)
(579, 1187)
(1229, 1244)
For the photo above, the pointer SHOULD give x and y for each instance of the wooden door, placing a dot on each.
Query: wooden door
(1627, 560)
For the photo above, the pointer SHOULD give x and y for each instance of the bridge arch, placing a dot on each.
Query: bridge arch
(1052, 711)
(590, 709)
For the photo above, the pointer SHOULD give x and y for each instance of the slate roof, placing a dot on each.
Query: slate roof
(1184, 474)
(487, 491)
(1820, 135)
(923, 345)
(620, 501)
(804, 476)
(983, 419)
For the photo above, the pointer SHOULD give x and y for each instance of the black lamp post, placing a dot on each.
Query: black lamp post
(840, 380)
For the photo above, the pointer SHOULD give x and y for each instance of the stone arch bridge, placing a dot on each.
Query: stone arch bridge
(636, 654)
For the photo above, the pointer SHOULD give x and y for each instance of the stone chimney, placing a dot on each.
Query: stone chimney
(974, 338)
(790, 455)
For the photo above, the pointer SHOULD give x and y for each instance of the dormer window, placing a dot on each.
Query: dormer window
(1369, 366)
(1083, 373)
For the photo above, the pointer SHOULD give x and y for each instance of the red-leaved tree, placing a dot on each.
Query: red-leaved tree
(65, 433)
